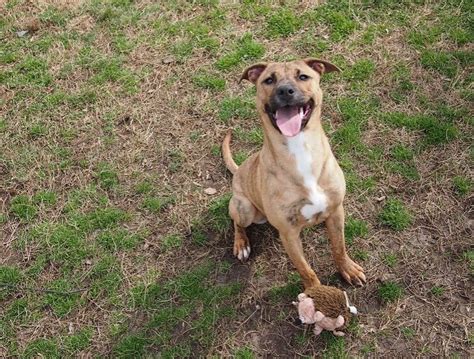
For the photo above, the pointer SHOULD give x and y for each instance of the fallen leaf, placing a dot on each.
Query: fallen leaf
(210, 191)
(21, 33)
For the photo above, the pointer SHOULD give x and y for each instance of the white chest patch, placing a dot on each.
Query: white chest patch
(304, 164)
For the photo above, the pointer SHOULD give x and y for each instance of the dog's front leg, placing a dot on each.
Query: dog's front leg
(351, 271)
(292, 243)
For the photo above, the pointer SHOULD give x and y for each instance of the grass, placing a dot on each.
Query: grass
(245, 49)
(390, 260)
(282, 23)
(442, 62)
(354, 228)
(218, 214)
(209, 81)
(394, 215)
(462, 185)
(407, 332)
(23, 208)
(435, 130)
(289, 291)
(156, 204)
(111, 120)
(390, 292)
(236, 107)
(437, 291)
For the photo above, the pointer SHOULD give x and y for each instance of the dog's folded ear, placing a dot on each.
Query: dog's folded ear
(321, 66)
(253, 72)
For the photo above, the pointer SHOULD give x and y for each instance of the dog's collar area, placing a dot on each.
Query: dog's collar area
(304, 113)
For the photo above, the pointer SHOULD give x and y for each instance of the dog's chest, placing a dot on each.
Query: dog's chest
(299, 148)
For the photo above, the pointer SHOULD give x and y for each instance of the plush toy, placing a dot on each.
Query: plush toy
(326, 307)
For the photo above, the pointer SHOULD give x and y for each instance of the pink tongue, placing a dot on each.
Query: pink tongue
(288, 120)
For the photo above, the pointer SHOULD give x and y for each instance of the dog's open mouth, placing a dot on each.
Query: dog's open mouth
(290, 120)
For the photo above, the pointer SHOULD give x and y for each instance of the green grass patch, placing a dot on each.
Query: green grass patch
(10, 277)
(63, 301)
(462, 185)
(171, 241)
(390, 292)
(354, 228)
(402, 162)
(31, 72)
(395, 215)
(109, 70)
(157, 204)
(240, 157)
(46, 348)
(403, 85)
(244, 353)
(437, 291)
(101, 218)
(105, 278)
(200, 303)
(23, 208)
(131, 346)
(310, 45)
(424, 36)
(360, 71)
(361, 255)
(116, 239)
(78, 341)
(335, 347)
(245, 49)
(236, 107)
(209, 81)
(390, 260)
(282, 23)
(253, 136)
(144, 187)
(337, 16)
(107, 177)
(47, 198)
(408, 332)
(218, 213)
(436, 131)
(289, 291)
(442, 62)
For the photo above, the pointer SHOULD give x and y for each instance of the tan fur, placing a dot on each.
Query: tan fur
(229, 161)
(268, 184)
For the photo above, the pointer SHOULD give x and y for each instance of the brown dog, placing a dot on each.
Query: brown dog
(295, 180)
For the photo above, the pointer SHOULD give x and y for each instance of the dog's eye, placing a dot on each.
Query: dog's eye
(303, 77)
(268, 81)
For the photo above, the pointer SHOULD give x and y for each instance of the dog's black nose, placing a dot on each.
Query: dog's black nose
(285, 92)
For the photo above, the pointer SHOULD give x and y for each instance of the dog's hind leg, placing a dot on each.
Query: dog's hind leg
(242, 213)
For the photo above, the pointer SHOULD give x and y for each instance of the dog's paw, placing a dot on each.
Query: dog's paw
(242, 249)
(351, 271)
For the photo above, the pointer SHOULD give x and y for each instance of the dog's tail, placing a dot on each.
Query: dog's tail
(229, 161)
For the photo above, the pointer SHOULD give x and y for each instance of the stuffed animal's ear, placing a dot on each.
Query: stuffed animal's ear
(321, 66)
(253, 72)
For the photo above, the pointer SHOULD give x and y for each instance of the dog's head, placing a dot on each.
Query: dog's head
(288, 93)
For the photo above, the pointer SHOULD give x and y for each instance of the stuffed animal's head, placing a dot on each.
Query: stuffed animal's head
(306, 308)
